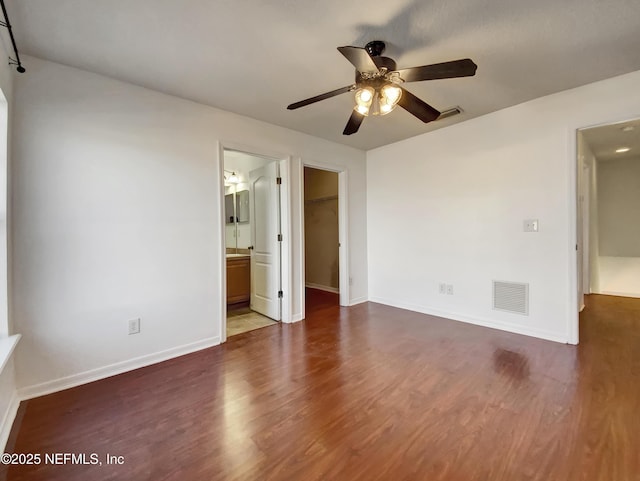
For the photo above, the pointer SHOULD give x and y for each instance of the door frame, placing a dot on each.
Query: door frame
(284, 161)
(343, 231)
(586, 231)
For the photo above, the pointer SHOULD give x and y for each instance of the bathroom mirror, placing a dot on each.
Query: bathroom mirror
(229, 213)
(242, 206)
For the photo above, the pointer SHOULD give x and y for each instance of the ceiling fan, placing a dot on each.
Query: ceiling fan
(378, 84)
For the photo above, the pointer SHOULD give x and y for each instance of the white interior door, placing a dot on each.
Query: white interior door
(264, 213)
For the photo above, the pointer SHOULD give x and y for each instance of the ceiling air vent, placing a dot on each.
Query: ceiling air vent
(511, 297)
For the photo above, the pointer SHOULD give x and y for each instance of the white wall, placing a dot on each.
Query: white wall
(117, 215)
(620, 276)
(448, 206)
(619, 207)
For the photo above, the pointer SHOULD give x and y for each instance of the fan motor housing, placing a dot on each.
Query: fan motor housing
(375, 48)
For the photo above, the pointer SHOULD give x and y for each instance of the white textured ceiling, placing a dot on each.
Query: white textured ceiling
(254, 57)
(605, 140)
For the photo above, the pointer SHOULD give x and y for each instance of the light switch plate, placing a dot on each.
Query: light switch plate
(134, 326)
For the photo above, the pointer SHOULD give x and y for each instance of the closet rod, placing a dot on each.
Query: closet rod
(7, 24)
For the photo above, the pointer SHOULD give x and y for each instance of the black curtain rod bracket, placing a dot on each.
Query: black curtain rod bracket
(12, 61)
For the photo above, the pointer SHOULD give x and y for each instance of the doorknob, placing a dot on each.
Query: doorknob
(250, 248)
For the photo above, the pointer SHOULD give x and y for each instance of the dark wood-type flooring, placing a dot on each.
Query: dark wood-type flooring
(363, 393)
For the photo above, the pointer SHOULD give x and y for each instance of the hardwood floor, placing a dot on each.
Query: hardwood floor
(362, 393)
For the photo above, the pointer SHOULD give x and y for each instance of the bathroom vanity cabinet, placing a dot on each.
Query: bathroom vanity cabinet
(238, 278)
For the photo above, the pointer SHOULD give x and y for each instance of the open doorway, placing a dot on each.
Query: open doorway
(321, 238)
(253, 241)
(608, 210)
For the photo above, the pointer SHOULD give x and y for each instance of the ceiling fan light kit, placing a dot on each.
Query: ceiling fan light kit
(378, 87)
(381, 101)
(364, 99)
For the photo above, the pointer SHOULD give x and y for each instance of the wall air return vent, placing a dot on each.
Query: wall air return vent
(511, 297)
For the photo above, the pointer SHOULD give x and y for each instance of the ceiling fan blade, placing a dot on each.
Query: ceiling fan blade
(417, 107)
(353, 124)
(453, 69)
(320, 97)
(359, 58)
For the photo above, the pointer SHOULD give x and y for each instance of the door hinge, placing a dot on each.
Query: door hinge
(278, 180)
(279, 237)
(280, 294)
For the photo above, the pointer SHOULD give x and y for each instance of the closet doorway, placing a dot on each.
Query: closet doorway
(321, 238)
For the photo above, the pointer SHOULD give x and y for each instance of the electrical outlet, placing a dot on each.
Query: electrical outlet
(450, 289)
(442, 288)
(134, 326)
(531, 225)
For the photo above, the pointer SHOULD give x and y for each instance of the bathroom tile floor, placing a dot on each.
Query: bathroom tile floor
(243, 319)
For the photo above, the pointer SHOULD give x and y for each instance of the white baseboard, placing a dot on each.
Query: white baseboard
(619, 294)
(334, 290)
(296, 318)
(8, 419)
(503, 326)
(74, 380)
(359, 300)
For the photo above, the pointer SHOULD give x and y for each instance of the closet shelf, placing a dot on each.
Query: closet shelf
(321, 199)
